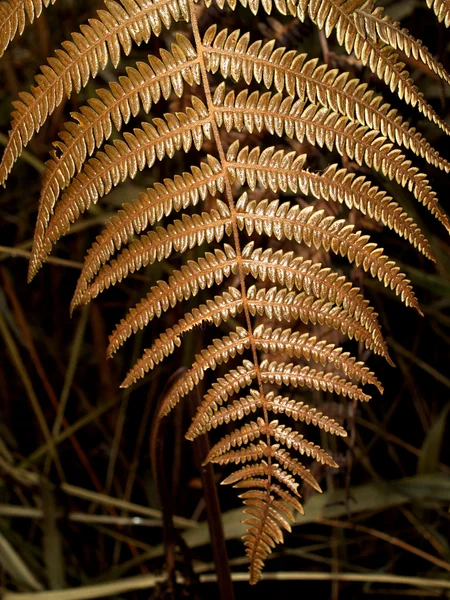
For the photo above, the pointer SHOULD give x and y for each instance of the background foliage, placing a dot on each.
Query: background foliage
(68, 433)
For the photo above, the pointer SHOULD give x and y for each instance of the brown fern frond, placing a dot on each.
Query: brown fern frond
(279, 304)
(278, 267)
(122, 160)
(143, 86)
(284, 171)
(322, 127)
(298, 376)
(160, 200)
(441, 9)
(254, 452)
(283, 6)
(294, 466)
(212, 415)
(378, 57)
(205, 313)
(378, 26)
(307, 102)
(299, 411)
(285, 435)
(14, 16)
(160, 243)
(295, 344)
(251, 452)
(293, 73)
(105, 38)
(274, 373)
(313, 228)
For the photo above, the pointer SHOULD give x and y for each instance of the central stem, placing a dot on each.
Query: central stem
(231, 205)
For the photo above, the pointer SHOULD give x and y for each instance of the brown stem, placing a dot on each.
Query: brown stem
(213, 512)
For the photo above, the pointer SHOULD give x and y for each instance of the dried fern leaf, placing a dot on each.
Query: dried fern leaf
(274, 373)
(223, 307)
(159, 244)
(313, 279)
(159, 201)
(378, 26)
(322, 127)
(259, 428)
(293, 73)
(104, 39)
(441, 9)
(122, 160)
(284, 171)
(298, 376)
(254, 452)
(143, 86)
(279, 304)
(278, 267)
(14, 15)
(212, 415)
(285, 305)
(313, 228)
(283, 6)
(222, 350)
(295, 344)
(381, 59)
(295, 272)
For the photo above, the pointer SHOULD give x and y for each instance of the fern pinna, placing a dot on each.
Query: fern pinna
(238, 88)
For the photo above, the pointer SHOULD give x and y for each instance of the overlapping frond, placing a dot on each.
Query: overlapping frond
(115, 30)
(324, 128)
(279, 170)
(14, 16)
(141, 88)
(160, 200)
(122, 160)
(273, 303)
(379, 26)
(314, 228)
(380, 58)
(282, 171)
(296, 75)
(441, 9)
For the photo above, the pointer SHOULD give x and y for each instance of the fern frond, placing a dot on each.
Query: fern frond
(279, 304)
(274, 373)
(282, 171)
(272, 470)
(122, 160)
(293, 73)
(277, 342)
(284, 341)
(159, 245)
(378, 26)
(160, 200)
(212, 415)
(307, 102)
(313, 228)
(364, 314)
(379, 58)
(322, 127)
(285, 435)
(298, 376)
(104, 39)
(280, 455)
(14, 16)
(441, 9)
(143, 86)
